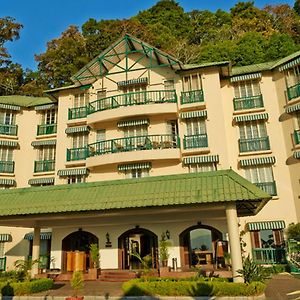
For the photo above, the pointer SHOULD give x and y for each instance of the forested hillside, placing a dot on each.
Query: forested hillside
(244, 35)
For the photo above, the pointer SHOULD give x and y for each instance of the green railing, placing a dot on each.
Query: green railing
(269, 255)
(254, 144)
(136, 143)
(77, 153)
(77, 112)
(7, 166)
(293, 91)
(44, 165)
(268, 187)
(195, 141)
(8, 129)
(131, 99)
(192, 97)
(46, 129)
(2, 263)
(248, 102)
(297, 136)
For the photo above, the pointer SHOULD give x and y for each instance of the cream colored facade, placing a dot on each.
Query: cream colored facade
(115, 147)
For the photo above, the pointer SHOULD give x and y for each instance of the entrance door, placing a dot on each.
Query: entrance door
(135, 244)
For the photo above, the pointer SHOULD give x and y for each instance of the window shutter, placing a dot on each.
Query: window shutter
(278, 238)
(255, 237)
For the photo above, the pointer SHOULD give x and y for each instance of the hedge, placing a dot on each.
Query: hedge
(25, 287)
(136, 287)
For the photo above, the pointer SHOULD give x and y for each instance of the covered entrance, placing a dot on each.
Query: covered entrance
(76, 251)
(136, 243)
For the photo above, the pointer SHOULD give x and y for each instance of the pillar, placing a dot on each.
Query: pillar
(36, 250)
(234, 240)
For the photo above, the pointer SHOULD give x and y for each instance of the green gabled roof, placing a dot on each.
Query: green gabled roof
(266, 66)
(25, 101)
(184, 189)
(287, 59)
(205, 64)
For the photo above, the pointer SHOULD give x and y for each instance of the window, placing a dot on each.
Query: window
(172, 127)
(195, 126)
(245, 89)
(6, 154)
(101, 135)
(7, 118)
(101, 94)
(192, 82)
(267, 238)
(76, 179)
(259, 174)
(46, 153)
(49, 117)
(81, 100)
(79, 140)
(196, 168)
(134, 88)
(138, 130)
(251, 130)
(1, 249)
(293, 76)
(297, 115)
(136, 173)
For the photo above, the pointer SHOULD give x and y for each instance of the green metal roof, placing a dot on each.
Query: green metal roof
(205, 64)
(214, 187)
(266, 66)
(24, 101)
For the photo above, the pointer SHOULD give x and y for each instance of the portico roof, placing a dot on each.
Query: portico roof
(215, 187)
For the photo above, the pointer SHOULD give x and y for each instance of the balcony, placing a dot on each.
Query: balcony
(8, 129)
(268, 187)
(44, 166)
(77, 153)
(269, 255)
(293, 91)
(195, 141)
(297, 136)
(192, 97)
(7, 166)
(2, 263)
(248, 102)
(77, 113)
(46, 129)
(254, 144)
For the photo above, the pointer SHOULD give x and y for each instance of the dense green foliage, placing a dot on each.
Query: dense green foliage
(25, 288)
(293, 231)
(139, 287)
(244, 35)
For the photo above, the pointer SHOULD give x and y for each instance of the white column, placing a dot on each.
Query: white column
(234, 240)
(36, 250)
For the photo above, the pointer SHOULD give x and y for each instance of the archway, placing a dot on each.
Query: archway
(138, 241)
(198, 245)
(76, 250)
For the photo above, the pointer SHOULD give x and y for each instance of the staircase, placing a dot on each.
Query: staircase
(117, 275)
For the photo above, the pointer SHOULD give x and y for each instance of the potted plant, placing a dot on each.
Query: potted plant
(95, 259)
(77, 284)
(164, 253)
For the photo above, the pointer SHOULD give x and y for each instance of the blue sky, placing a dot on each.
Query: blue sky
(45, 20)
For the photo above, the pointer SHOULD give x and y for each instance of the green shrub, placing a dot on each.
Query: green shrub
(26, 287)
(12, 275)
(138, 287)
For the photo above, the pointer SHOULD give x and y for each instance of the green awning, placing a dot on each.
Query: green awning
(77, 129)
(296, 154)
(9, 106)
(245, 77)
(144, 165)
(193, 114)
(44, 107)
(72, 172)
(5, 237)
(133, 123)
(43, 236)
(267, 225)
(7, 143)
(37, 181)
(142, 80)
(258, 161)
(43, 143)
(290, 64)
(85, 87)
(293, 108)
(253, 117)
(7, 182)
(201, 159)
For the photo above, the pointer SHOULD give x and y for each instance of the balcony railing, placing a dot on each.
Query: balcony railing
(269, 255)
(46, 129)
(248, 102)
(131, 99)
(77, 113)
(44, 165)
(293, 91)
(268, 187)
(136, 143)
(7, 166)
(77, 153)
(195, 141)
(2, 263)
(8, 129)
(192, 97)
(254, 144)
(297, 137)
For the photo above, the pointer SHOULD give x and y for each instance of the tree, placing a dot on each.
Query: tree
(297, 7)
(293, 231)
